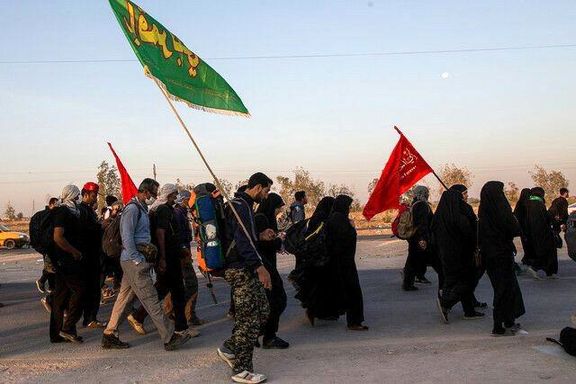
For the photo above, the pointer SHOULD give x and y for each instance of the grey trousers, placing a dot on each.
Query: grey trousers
(137, 282)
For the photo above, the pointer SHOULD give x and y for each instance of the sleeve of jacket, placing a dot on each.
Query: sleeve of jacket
(128, 222)
(243, 246)
(421, 220)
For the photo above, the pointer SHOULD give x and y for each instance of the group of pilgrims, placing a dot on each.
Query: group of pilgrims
(459, 246)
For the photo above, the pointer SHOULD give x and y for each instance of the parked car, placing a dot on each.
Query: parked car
(11, 239)
(571, 208)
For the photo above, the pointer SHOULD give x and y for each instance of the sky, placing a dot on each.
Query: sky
(498, 113)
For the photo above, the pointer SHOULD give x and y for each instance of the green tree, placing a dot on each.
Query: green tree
(551, 181)
(10, 212)
(450, 174)
(109, 183)
(302, 181)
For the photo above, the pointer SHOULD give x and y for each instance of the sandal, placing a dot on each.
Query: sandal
(248, 377)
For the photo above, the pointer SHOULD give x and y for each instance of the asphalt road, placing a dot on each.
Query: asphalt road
(406, 343)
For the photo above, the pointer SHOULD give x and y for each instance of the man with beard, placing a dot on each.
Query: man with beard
(540, 237)
(558, 212)
(91, 247)
(67, 258)
(166, 237)
(248, 278)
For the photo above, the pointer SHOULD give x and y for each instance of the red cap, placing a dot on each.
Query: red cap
(90, 186)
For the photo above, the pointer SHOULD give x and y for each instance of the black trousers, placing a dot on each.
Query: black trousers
(67, 296)
(418, 260)
(277, 299)
(460, 289)
(171, 282)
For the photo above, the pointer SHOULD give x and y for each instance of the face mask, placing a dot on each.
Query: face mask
(150, 200)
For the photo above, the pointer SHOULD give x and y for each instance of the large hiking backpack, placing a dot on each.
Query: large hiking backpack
(209, 214)
(403, 208)
(406, 228)
(41, 231)
(310, 247)
(112, 239)
(567, 340)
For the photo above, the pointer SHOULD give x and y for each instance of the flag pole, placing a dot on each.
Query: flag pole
(216, 179)
(433, 171)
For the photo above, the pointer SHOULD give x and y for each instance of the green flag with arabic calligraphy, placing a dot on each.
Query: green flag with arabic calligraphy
(184, 75)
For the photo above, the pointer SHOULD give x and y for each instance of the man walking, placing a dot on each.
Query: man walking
(48, 273)
(91, 240)
(297, 211)
(248, 279)
(136, 260)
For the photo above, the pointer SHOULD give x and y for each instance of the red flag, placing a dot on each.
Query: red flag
(129, 189)
(403, 169)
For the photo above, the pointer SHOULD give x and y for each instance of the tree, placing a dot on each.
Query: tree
(512, 192)
(10, 212)
(180, 186)
(315, 189)
(550, 181)
(342, 189)
(239, 184)
(372, 185)
(226, 185)
(450, 174)
(20, 216)
(109, 183)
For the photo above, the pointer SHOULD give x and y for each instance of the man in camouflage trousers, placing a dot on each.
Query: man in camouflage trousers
(248, 279)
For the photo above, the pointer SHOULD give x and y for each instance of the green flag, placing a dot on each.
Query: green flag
(184, 75)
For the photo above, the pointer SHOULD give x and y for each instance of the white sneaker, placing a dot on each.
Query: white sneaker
(137, 326)
(249, 378)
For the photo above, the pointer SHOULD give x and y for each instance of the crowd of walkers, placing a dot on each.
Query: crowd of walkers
(152, 273)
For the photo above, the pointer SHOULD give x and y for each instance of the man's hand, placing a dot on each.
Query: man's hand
(264, 277)
(267, 235)
(161, 268)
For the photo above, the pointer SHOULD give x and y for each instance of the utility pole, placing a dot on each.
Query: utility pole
(154, 170)
(33, 206)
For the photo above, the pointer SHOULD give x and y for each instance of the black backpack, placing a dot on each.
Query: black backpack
(41, 231)
(311, 246)
(567, 340)
(112, 239)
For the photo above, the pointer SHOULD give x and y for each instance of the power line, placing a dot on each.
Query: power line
(315, 55)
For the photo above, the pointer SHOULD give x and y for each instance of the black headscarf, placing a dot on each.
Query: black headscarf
(322, 212)
(342, 204)
(268, 208)
(538, 191)
(459, 188)
(520, 208)
(448, 210)
(497, 223)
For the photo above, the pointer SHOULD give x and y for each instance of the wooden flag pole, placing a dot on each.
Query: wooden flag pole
(433, 171)
(216, 179)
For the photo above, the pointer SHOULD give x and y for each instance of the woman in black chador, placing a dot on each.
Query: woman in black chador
(341, 243)
(540, 236)
(454, 230)
(317, 284)
(265, 218)
(498, 228)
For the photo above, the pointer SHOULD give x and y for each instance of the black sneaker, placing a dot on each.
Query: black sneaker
(422, 280)
(480, 305)
(499, 332)
(113, 342)
(177, 340)
(275, 343)
(409, 288)
(59, 339)
(71, 337)
(474, 316)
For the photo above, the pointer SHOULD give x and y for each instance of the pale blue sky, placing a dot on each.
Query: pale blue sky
(498, 113)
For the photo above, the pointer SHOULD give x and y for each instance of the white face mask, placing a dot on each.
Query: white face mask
(150, 200)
